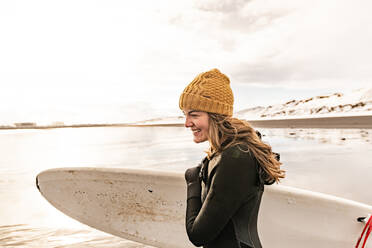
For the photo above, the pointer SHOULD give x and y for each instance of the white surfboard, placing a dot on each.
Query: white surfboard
(149, 207)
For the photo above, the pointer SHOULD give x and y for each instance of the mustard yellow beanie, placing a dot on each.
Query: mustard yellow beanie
(210, 92)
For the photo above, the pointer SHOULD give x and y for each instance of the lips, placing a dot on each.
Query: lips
(195, 131)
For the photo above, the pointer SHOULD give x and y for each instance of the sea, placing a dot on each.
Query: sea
(332, 161)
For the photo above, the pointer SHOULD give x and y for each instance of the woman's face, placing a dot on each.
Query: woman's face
(198, 122)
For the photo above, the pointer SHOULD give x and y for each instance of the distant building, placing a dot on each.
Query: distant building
(25, 124)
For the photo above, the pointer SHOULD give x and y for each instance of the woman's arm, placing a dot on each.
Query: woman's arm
(234, 181)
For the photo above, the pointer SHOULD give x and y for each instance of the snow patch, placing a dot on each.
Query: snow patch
(356, 102)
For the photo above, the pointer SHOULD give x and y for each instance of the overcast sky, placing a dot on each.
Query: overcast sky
(125, 60)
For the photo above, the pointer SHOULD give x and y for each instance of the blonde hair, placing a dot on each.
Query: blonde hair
(225, 132)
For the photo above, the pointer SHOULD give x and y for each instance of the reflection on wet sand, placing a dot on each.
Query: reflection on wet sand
(326, 136)
(25, 236)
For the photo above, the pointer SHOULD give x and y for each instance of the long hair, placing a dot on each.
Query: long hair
(225, 132)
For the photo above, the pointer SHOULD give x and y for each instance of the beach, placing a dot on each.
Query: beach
(108, 84)
(329, 160)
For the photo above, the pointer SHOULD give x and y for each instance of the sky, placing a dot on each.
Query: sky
(120, 61)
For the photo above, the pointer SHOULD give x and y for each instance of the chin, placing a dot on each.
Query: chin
(199, 140)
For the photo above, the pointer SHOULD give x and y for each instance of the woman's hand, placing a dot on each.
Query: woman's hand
(192, 174)
(193, 182)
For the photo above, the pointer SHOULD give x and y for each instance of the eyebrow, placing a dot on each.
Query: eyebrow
(190, 112)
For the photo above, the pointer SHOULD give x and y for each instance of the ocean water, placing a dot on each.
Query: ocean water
(333, 161)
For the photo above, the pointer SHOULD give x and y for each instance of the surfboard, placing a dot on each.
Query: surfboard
(149, 207)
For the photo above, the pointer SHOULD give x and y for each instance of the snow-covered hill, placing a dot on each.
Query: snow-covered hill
(356, 102)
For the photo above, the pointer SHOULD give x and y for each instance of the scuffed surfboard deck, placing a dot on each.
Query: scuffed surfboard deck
(149, 207)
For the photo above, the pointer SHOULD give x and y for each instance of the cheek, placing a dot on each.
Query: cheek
(206, 129)
(206, 125)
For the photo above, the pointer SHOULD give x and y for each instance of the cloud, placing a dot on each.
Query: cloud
(222, 6)
(227, 18)
(264, 72)
(239, 15)
(317, 44)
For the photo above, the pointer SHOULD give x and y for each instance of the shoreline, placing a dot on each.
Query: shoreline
(92, 125)
(330, 122)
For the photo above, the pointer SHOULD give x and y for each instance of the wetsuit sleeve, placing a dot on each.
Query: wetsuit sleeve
(234, 182)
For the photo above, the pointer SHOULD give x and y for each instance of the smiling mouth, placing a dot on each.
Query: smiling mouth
(196, 131)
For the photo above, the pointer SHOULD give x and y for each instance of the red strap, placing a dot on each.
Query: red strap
(368, 228)
(366, 237)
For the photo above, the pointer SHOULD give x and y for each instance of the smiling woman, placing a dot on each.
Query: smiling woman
(224, 192)
(198, 121)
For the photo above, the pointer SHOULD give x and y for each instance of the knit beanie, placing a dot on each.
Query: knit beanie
(210, 92)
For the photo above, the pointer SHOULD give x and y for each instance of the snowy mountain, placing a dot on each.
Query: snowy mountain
(356, 102)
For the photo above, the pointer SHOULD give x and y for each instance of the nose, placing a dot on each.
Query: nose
(188, 123)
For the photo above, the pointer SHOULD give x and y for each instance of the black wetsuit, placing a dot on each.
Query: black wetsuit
(226, 213)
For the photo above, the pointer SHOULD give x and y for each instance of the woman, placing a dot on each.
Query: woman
(224, 192)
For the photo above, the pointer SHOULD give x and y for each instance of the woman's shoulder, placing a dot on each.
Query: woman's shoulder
(237, 156)
(236, 151)
(237, 163)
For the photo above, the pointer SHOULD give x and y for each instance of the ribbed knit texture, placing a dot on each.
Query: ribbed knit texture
(210, 92)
